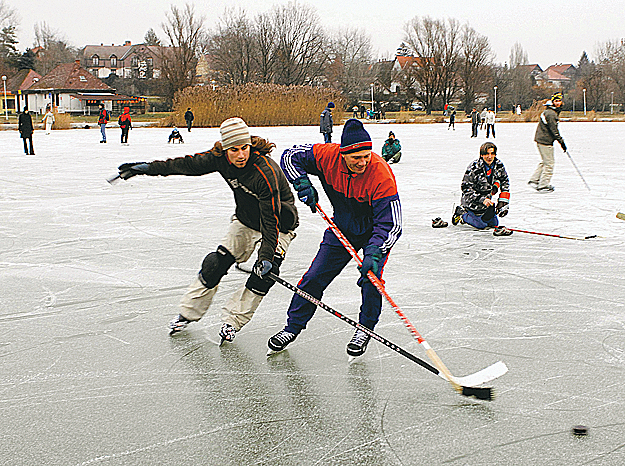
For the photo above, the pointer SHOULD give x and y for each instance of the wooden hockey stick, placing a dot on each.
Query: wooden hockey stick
(485, 394)
(551, 234)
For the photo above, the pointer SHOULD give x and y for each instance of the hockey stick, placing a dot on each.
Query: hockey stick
(113, 179)
(486, 392)
(466, 383)
(620, 215)
(550, 234)
(578, 172)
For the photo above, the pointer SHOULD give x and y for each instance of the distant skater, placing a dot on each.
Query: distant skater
(175, 136)
(125, 123)
(325, 123)
(546, 133)
(391, 150)
(103, 119)
(475, 122)
(48, 120)
(490, 123)
(25, 127)
(188, 117)
(452, 121)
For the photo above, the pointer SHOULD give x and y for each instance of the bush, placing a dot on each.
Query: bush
(257, 104)
(62, 121)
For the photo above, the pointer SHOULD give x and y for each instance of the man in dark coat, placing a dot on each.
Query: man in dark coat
(188, 117)
(25, 127)
(265, 214)
(476, 119)
(325, 124)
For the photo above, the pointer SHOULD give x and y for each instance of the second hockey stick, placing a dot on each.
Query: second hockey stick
(552, 235)
(578, 172)
(467, 383)
(485, 393)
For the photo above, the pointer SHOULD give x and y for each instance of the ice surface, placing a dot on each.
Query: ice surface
(91, 273)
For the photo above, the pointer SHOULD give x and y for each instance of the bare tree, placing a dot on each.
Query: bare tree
(436, 45)
(475, 64)
(518, 56)
(232, 47)
(53, 48)
(521, 81)
(265, 37)
(350, 57)
(185, 32)
(300, 41)
(611, 58)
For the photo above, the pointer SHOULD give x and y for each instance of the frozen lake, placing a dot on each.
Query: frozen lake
(90, 275)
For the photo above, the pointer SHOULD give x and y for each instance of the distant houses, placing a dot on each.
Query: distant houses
(125, 61)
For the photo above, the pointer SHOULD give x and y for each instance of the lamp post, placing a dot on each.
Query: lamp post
(4, 83)
(495, 99)
(612, 104)
(584, 101)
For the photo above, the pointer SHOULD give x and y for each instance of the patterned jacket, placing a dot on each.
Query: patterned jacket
(365, 205)
(264, 200)
(478, 183)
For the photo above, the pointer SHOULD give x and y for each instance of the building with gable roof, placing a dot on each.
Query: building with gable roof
(126, 61)
(69, 88)
(15, 85)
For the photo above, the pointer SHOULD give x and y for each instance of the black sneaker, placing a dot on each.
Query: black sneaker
(546, 189)
(456, 216)
(280, 340)
(178, 324)
(502, 231)
(227, 332)
(439, 223)
(358, 345)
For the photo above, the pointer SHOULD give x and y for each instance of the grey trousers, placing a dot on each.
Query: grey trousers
(543, 173)
(240, 241)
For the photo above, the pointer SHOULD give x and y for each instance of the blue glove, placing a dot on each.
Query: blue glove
(306, 192)
(371, 261)
(262, 268)
(128, 170)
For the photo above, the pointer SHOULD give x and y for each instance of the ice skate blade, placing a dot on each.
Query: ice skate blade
(271, 352)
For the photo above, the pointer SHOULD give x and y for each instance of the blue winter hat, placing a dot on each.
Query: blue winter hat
(330, 104)
(354, 138)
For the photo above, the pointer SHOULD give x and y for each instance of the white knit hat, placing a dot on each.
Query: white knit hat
(234, 132)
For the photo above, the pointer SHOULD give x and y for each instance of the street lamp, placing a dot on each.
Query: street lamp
(495, 99)
(584, 101)
(612, 104)
(4, 83)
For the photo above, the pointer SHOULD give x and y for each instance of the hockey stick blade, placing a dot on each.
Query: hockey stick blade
(113, 179)
(487, 374)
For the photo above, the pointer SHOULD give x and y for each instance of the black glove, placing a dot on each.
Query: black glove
(563, 145)
(371, 261)
(502, 208)
(306, 192)
(262, 268)
(128, 170)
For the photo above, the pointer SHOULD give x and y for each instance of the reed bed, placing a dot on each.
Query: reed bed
(257, 104)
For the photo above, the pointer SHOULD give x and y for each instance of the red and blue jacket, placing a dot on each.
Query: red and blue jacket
(365, 205)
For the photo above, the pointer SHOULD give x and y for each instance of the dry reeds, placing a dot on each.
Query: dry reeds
(62, 121)
(257, 104)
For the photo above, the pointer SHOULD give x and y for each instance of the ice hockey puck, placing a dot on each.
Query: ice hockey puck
(580, 430)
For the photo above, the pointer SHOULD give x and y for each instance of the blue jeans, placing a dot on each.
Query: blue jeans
(103, 131)
(331, 259)
(327, 137)
(487, 219)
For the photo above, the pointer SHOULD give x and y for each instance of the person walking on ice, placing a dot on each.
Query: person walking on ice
(48, 120)
(363, 193)
(484, 178)
(265, 213)
(546, 133)
(103, 118)
(325, 123)
(125, 123)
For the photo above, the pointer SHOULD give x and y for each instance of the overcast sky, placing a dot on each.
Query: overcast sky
(549, 31)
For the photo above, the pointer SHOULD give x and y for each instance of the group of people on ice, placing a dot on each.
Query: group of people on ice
(363, 192)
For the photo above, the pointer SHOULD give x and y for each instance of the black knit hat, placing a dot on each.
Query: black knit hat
(354, 138)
